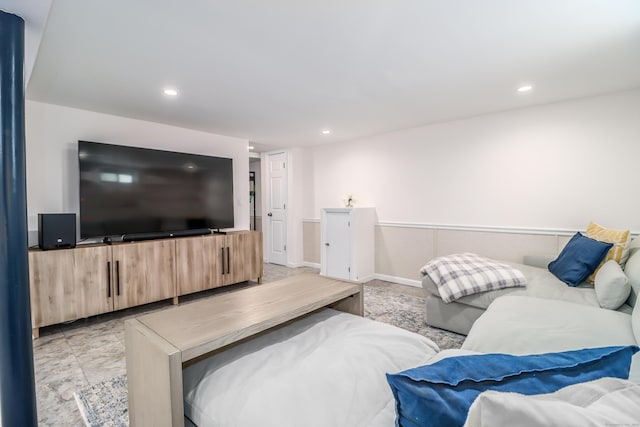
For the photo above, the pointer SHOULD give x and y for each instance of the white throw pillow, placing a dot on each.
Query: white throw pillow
(634, 245)
(603, 402)
(635, 322)
(611, 285)
(632, 271)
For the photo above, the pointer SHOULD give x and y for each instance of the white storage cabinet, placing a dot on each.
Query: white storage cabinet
(348, 243)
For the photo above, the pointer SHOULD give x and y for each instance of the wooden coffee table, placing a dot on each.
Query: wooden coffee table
(159, 345)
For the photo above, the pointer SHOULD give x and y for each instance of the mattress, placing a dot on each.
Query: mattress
(326, 369)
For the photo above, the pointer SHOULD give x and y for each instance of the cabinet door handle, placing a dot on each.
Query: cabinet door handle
(228, 262)
(222, 260)
(117, 277)
(108, 279)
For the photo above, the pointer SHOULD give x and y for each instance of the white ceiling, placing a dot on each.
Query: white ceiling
(278, 72)
(34, 13)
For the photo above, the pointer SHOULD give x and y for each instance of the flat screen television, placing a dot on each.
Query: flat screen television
(129, 190)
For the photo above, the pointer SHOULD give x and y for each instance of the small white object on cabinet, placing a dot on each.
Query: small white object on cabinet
(348, 243)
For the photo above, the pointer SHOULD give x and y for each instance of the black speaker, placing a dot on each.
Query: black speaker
(57, 231)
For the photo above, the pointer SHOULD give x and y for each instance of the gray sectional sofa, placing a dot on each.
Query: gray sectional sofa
(546, 316)
(460, 315)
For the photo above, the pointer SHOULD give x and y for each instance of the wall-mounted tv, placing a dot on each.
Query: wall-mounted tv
(129, 190)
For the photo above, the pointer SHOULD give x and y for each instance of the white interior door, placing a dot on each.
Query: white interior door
(277, 208)
(337, 245)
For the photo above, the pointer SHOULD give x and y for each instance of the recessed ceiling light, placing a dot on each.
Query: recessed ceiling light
(170, 92)
(326, 132)
(525, 88)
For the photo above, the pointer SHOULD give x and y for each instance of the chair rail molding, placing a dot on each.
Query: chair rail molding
(479, 228)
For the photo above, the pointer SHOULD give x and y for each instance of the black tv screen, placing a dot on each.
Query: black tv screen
(128, 190)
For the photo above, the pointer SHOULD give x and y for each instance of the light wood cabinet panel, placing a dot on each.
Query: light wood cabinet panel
(254, 267)
(232, 260)
(217, 260)
(69, 284)
(143, 272)
(198, 261)
(243, 257)
(245, 250)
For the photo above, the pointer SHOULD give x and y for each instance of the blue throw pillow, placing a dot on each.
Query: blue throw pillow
(579, 259)
(441, 394)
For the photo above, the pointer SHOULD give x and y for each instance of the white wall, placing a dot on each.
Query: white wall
(297, 190)
(556, 166)
(52, 133)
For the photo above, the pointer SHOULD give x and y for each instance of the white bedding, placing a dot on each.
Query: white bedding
(603, 402)
(327, 369)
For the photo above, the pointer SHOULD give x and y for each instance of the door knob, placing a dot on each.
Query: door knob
(269, 214)
(326, 244)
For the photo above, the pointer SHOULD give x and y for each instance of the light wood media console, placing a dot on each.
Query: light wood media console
(70, 284)
(160, 344)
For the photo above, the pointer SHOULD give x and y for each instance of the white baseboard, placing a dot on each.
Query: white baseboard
(399, 280)
(311, 265)
(295, 264)
(303, 264)
(385, 277)
(366, 279)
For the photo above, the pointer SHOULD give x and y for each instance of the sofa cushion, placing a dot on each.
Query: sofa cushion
(619, 252)
(611, 286)
(635, 322)
(578, 259)
(441, 393)
(478, 300)
(635, 325)
(527, 325)
(541, 283)
(632, 271)
(634, 245)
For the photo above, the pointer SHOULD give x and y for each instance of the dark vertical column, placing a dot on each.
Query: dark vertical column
(16, 348)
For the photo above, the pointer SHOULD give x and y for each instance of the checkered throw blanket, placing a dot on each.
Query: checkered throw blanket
(465, 274)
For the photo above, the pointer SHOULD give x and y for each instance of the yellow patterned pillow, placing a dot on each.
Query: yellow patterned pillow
(620, 239)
